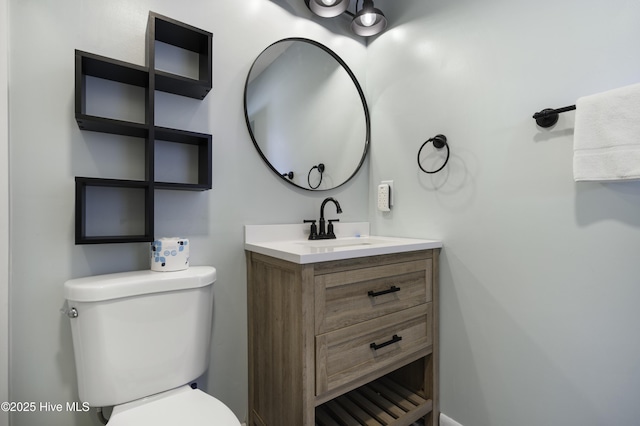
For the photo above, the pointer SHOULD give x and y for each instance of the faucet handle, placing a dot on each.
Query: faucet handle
(330, 232)
(314, 229)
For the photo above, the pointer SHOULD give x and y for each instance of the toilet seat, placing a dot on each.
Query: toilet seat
(178, 406)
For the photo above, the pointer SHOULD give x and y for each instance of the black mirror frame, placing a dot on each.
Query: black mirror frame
(358, 88)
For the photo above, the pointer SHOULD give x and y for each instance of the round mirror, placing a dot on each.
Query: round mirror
(306, 114)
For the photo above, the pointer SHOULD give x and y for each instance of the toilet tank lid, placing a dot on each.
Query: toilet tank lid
(126, 284)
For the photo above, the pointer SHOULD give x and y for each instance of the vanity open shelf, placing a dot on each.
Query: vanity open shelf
(347, 341)
(382, 402)
(181, 36)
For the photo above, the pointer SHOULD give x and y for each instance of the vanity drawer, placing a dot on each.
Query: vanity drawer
(350, 353)
(348, 297)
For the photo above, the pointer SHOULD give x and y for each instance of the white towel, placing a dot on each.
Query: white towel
(606, 142)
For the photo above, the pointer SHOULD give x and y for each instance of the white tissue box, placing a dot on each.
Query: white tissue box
(170, 254)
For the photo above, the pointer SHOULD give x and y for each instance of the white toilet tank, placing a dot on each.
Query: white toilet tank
(139, 333)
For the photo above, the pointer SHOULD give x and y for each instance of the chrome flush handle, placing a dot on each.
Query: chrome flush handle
(71, 312)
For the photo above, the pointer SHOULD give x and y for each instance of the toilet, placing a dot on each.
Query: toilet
(140, 339)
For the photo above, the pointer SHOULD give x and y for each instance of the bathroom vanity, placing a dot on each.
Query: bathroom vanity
(342, 331)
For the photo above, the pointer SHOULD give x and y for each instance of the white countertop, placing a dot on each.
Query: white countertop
(291, 243)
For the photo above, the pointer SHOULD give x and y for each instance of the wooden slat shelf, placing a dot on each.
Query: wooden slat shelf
(382, 402)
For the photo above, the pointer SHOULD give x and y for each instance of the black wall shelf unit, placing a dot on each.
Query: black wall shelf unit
(177, 34)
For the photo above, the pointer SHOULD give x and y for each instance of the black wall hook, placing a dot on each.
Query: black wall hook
(439, 142)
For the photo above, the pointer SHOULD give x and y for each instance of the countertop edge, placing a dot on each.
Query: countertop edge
(306, 258)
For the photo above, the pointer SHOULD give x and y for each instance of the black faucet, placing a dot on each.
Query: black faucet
(318, 233)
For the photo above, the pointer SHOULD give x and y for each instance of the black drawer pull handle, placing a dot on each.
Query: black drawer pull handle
(392, 289)
(394, 339)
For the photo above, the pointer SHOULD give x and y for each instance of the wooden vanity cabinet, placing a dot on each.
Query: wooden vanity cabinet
(345, 342)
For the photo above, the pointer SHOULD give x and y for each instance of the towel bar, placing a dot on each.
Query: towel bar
(548, 117)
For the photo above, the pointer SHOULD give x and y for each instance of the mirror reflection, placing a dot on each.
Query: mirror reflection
(306, 114)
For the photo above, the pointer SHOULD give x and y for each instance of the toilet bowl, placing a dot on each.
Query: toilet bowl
(184, 406)
(139, 339)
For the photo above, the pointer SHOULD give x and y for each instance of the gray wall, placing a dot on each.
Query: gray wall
(48, 150)
(540, 275)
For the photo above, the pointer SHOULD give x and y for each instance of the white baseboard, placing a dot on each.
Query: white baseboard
(447, 421)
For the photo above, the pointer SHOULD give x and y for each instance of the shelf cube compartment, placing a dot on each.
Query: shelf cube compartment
(183, 36)
(113, 211)
(195, 152)
(108, 78)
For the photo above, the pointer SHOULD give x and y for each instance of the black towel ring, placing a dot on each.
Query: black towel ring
(320, 168)
(439, 142)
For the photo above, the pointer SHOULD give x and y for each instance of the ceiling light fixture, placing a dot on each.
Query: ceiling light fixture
(327, 8)
(368, 21)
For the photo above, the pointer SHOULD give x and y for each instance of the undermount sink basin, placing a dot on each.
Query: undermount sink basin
(291, 243)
